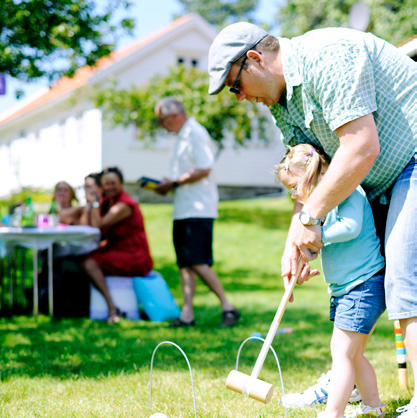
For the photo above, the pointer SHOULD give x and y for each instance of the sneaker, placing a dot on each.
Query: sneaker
(365, 410)
(315, 394)
(408, 411)
(230, 318)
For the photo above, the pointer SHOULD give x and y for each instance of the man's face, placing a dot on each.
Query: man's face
(168, 122)
(256, 82)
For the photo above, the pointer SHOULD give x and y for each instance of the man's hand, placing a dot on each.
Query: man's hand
(308, 241)
(166, 186)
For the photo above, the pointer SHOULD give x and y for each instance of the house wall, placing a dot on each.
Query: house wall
(66, 139)
(63, 145)
(250, 165)
(236, 166)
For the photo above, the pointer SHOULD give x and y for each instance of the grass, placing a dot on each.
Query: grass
(79, 368)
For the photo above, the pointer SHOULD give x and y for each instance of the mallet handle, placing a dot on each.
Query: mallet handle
(275, 323)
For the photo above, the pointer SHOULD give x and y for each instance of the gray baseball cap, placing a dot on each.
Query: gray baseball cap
(228, 46)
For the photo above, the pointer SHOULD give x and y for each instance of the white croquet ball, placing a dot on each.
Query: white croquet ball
(158, 415)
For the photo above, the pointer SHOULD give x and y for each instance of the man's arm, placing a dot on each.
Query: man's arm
(359, 147)
(190, 177)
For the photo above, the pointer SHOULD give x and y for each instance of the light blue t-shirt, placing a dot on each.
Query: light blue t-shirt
(351, 253)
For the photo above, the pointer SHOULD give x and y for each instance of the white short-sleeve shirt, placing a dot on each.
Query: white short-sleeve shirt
(194, 150)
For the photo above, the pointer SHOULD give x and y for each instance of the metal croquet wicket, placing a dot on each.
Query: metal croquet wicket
(189, 368)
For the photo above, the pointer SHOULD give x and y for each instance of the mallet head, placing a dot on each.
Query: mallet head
(254, 388)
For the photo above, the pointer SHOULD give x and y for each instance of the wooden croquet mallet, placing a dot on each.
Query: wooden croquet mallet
(250, 385)
(401, 356)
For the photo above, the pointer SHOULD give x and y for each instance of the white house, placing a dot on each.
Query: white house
(60, 135)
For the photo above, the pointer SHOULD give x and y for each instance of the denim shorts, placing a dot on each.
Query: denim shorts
(401, 246)
(359, 310)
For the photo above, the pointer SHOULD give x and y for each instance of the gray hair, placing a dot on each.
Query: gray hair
(170, 105)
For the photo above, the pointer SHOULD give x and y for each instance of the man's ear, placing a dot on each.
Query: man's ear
(256, 56)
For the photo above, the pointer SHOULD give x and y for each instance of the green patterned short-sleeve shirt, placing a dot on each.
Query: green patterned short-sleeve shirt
(334, 76)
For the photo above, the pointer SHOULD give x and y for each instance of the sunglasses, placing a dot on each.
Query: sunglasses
(235, 89)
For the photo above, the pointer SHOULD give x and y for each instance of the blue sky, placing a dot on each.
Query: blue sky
(150, 16)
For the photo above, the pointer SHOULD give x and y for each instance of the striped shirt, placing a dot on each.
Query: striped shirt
(334, 76)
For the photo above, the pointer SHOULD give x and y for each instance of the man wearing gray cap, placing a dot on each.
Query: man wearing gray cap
(355, 96)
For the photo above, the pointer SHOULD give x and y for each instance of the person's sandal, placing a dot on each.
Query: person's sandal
(366, 410)
(114, 318)
(230, 318)
(180, 323)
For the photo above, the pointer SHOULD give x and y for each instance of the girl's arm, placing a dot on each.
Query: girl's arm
(349, 220)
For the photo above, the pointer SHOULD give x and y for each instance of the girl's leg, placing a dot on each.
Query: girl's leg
(344, 346)
(365, 377)
(91, 267)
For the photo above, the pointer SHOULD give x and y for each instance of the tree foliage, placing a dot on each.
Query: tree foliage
(222, 12)
(219, 113)
(52, 38)
(392, 20)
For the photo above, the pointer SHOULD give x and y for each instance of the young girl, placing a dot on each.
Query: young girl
(353, 266)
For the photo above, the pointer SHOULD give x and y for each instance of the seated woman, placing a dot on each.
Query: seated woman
(65, 197)
(93, 192)
(125, 251)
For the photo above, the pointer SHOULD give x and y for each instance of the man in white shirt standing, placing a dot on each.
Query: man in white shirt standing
(195, 208)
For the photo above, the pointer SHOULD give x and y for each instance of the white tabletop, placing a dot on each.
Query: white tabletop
(42, 237)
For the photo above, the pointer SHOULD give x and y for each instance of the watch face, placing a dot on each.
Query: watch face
(304, 218)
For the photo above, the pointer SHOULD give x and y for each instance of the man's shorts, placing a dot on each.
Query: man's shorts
(193, 240)
(359, 310)
(401, 246)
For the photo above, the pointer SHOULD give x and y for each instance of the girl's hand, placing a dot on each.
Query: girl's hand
(306, 274)
(91, 197)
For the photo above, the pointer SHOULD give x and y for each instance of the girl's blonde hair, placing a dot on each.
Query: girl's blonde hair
(73, 196)
(310, 159)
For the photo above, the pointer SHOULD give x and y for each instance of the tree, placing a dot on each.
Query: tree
(219, 113)
(52, 38)
(222, 12)
(392, 20)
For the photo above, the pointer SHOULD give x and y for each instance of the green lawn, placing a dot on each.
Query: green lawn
(79, 368)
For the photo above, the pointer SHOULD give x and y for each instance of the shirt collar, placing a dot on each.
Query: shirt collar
(184, 128)
(290, 66)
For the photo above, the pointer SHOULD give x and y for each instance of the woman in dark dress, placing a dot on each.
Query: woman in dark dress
(124, 250)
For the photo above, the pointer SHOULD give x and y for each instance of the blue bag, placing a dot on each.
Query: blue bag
(156, 299)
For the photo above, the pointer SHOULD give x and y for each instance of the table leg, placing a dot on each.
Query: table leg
(50, 281)
(35, 282)
(11, 279)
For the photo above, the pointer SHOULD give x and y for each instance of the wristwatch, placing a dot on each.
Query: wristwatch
(307, 220)
(95, 205)
(175, 184)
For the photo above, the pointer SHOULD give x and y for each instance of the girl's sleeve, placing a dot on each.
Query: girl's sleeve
(348, 220)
